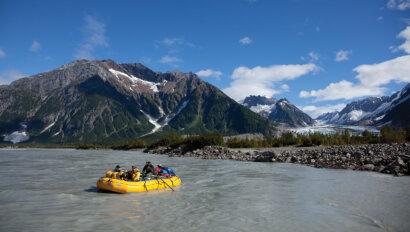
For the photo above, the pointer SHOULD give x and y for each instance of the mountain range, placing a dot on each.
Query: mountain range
(374, 111)
(107, 102)
(102, 101)
(278, 111)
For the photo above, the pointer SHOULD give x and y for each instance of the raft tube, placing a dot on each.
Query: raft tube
(123, 186)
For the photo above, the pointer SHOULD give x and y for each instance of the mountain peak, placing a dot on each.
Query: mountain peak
(284, 100)
(281, 111)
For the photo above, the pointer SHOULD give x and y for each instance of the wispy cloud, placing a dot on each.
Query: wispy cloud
(398, 4)
(2, 53)
(210, 73)
(313, 57)
(285, 87)
(94, 36)
(171, 60)
(172, 42)
(35, 46)
(342, 55)
(263, 80)
(245, 40)
(10, 75)
(380, 18)
(317, 28)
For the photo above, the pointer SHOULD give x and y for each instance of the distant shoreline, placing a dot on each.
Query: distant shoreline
(391, 158)
(384, 158)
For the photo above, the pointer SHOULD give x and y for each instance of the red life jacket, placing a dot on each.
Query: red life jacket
(158, 171)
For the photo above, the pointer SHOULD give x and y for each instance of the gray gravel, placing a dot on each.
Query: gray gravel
(383, 158)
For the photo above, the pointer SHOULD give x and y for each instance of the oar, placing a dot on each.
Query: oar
(166, 183)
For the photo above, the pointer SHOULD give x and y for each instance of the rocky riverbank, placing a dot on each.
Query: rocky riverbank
(384, 158)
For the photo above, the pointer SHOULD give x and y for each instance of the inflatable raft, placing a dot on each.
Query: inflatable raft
(124, 186)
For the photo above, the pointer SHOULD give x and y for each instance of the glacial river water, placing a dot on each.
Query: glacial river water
(54, 190)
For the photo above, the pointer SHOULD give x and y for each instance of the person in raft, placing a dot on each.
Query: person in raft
(164, 171)
(134, 174)
(118, 169)
(148, 169)
(159, 171)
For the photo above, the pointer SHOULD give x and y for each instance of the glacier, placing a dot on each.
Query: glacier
(17, 137)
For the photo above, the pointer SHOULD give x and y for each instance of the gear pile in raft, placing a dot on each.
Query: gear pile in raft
(123, 181)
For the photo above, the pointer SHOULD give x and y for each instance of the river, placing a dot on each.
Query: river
(54, 190)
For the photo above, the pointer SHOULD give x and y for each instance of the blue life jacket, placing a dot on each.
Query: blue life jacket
(170, 171)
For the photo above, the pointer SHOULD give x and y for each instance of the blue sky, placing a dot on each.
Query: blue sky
(318, 54)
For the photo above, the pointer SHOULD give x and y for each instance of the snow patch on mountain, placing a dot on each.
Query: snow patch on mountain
(154, 122)
(182, 106)
(47, 127)
(153, 86)
(17, 137)
(172, 116)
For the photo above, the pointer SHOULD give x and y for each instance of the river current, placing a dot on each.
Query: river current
(54, 190)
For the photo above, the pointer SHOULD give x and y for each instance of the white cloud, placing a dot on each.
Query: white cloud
(405, 34)
(210, 73)
(399, 4)
(342, 90)
(397, 69)
(9, 76)
(35, 46)
(371, 78)
(316, 111)
(2, 53)
(317, 29)
(170, 60)
(245, 40)
(380, 18)
(94, 32)
(261, 80)
(342, 55)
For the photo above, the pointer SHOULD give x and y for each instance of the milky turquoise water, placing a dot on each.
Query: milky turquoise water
(54, 190)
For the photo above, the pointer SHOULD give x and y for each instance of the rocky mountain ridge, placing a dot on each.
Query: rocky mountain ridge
(103, 101)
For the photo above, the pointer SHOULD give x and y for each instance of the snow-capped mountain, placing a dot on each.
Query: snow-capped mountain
(105, 102)
(373, 111)
(279, 111)
(354, 111)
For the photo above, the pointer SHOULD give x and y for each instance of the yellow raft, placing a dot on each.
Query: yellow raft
(124, 186)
